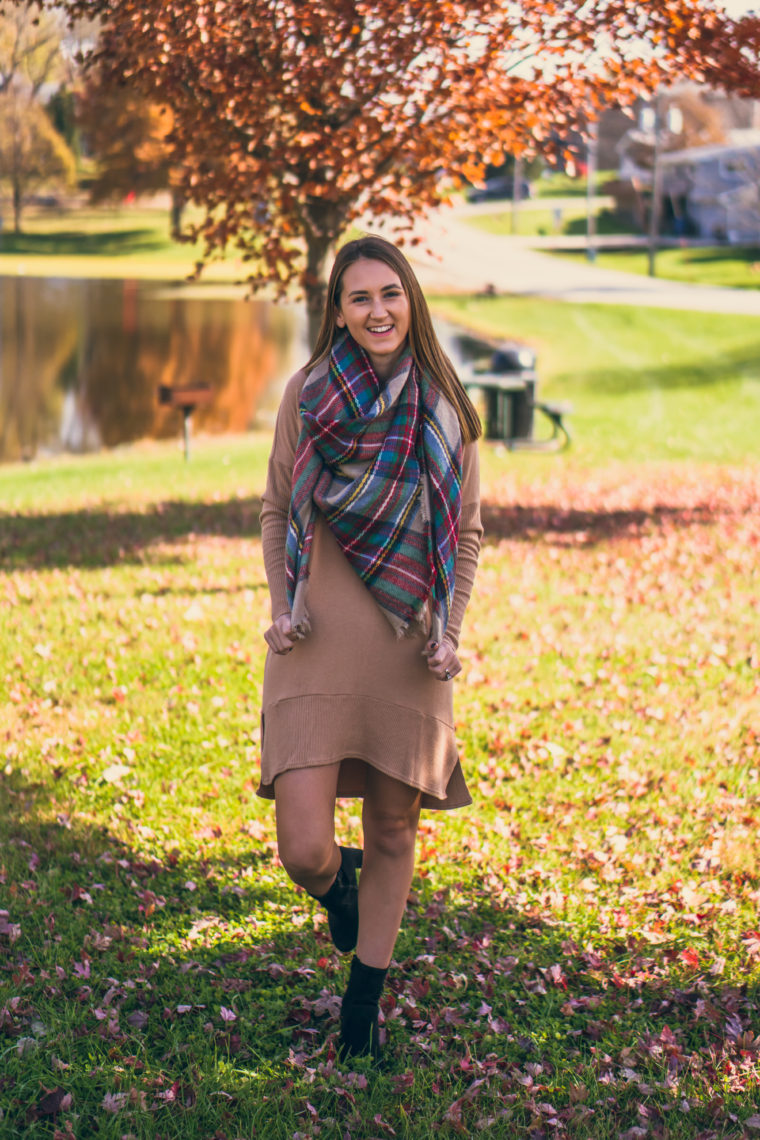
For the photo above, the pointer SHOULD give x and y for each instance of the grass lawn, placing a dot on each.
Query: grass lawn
(557, 185)
(102, 242)
(535, 219)
(580, 951)
(737, 268)
(645, 384)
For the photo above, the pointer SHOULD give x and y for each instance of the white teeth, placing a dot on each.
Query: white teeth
(382, 329)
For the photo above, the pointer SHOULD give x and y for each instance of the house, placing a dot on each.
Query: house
(716, 189)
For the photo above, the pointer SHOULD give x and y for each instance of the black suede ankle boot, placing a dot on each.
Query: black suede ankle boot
(359, 1028)
(342, 901)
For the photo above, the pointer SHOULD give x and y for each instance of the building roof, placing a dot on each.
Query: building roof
(737, 141)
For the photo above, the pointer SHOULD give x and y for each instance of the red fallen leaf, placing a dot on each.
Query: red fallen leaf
(79, 894)
(54, 1101)
(138, 1019)
(751, 940)
(689, 956)
(402, 1082)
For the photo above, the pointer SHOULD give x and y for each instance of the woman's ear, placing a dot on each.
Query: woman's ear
(340, 320)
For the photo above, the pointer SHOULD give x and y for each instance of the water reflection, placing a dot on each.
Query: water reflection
(81, 361)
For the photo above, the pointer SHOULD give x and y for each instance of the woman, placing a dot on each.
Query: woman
(371, 530)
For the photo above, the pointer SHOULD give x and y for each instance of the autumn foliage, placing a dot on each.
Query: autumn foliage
(293, 121)
(127, 135)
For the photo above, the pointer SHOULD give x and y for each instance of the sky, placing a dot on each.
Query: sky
(739, 7)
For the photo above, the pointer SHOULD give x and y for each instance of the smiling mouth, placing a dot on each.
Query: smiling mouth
(380, 330)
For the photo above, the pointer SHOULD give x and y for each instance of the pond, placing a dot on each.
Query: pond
(81, 362)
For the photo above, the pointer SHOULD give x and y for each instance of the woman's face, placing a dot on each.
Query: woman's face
(375, 309)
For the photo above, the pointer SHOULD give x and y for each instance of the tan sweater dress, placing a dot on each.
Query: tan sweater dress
(352, 692)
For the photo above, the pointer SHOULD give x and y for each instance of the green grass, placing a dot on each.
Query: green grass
(563, 186)
(645, 384)
(580, 951)
(534, 220)
(736, 268)
(104, 242)
(580, 945)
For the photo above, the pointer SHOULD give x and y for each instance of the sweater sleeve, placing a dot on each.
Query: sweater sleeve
(468, 546)
(276, 498)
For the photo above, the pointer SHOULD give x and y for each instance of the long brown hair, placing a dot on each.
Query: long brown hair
(423, 343)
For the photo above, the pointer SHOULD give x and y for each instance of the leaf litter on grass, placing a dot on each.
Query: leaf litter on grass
(580, 951)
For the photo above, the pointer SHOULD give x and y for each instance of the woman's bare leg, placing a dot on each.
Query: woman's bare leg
(390, 816)
(305, 803)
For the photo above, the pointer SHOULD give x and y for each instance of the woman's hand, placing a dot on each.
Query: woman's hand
(442, 660)
(280, 636)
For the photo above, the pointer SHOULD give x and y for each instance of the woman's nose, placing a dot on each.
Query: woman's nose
(378, 306)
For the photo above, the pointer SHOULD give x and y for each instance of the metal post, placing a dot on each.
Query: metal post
(186, 414)
(654, 206)
(591, 154)
(517, 178)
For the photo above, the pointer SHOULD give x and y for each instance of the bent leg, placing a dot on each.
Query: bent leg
(305, 809)
(390, 816)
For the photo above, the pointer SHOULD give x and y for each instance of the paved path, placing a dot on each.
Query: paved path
(467, 260)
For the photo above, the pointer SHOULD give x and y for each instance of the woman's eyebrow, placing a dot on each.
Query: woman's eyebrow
(384, 289)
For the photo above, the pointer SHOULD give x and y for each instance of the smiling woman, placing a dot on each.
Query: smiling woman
(374, 308)
(370, 531)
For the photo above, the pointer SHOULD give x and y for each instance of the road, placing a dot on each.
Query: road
(468, 260)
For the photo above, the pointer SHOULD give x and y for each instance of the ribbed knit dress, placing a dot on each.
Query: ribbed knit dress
(352, 691)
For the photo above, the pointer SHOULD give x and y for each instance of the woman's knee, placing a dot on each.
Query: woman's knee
(305, 857)
(391, 834)
(305, 821)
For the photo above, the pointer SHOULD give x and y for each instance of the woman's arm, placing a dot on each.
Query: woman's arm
(468, 545)
(442, 659)
(276, 498)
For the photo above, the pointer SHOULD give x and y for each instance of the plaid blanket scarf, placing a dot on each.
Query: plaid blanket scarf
(382, 461)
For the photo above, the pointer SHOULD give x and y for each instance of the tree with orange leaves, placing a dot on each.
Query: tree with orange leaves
(128, 136)
(294, 119)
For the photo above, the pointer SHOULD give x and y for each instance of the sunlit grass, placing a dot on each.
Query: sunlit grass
(644, 384)
(532, 218)
(109, 243)
(578, 944)
(735, 267)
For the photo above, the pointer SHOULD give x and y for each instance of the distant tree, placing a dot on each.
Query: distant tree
(128, 136)
(294, 119)
(30, 46)
(62, 109)
(32, 153)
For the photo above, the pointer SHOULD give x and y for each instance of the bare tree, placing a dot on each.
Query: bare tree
(30, 47)
(32, 153)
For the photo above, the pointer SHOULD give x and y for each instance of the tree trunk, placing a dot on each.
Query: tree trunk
(177, 209)
(17, 206)
(315, 283)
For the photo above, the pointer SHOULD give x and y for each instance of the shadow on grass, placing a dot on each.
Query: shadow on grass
(748, 255)
(567, 526)
(196, 994)
(77, 243)
(99, 537)
(607, 223)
